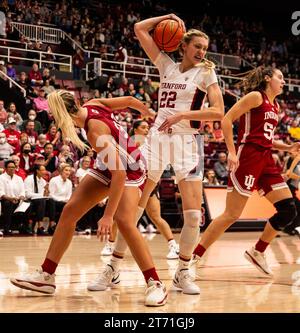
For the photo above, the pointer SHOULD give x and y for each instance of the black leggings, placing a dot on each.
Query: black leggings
(8, 209)
(38, 206)
(54, 209)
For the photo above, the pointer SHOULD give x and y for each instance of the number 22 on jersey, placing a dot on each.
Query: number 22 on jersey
(167, 99)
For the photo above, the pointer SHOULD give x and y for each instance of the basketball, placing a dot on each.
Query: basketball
(167, 35)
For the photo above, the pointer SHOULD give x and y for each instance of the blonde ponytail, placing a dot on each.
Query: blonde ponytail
(62, 104)
(206, 63)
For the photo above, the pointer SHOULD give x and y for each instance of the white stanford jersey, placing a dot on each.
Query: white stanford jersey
(181, 91)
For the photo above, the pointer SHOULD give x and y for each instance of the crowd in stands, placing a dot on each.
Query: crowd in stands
(49, 166)
(103, 26)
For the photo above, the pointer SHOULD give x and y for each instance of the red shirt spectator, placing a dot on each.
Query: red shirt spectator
(121, 54)
(19, 171)
(12, 135)
(208, 148)
(91, 155)
(42, 140)
(53, 135)
(35, 76)
(39, 149)
(78, 60)
(26, 158)
(217, 131)
(32, 134)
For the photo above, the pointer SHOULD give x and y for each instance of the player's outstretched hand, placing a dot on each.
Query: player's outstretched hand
(232, 162)
(295, 148)
(104, 228)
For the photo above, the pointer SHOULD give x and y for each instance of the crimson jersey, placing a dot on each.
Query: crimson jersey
(258, 125)
(128, 151)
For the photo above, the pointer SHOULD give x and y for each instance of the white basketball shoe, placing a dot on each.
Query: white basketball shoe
(184, 282)
(107, 278)
(258, 260)
(38, 281)
(155, 294)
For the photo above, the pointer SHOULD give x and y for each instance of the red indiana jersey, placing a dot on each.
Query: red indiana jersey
(128, 151)
(258, 125)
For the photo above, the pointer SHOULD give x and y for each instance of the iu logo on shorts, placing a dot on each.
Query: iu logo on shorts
(249, 181)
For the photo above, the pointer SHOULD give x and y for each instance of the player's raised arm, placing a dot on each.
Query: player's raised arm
(142, 30)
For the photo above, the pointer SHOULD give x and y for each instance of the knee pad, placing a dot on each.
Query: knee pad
(192, 218)
(190, 231)
(286, 212)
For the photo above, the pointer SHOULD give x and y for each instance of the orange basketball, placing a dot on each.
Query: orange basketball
(167, 35)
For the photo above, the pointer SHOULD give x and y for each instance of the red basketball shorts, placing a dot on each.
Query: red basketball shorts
(134, 178)
(256, 171)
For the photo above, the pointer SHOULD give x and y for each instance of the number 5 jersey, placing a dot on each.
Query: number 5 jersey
(259, 124)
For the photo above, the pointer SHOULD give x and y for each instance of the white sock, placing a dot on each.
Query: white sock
(172, 243)
(183, 265)
(115, 263)
(121, 245)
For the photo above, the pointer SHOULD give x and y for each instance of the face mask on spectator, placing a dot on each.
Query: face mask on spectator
(26, 151)
(31, 117)
(2, 140)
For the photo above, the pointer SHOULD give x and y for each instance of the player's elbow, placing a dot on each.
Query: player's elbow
(130, 100)
(137, 28)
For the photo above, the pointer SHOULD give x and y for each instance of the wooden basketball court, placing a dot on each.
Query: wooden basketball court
(228, 282)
